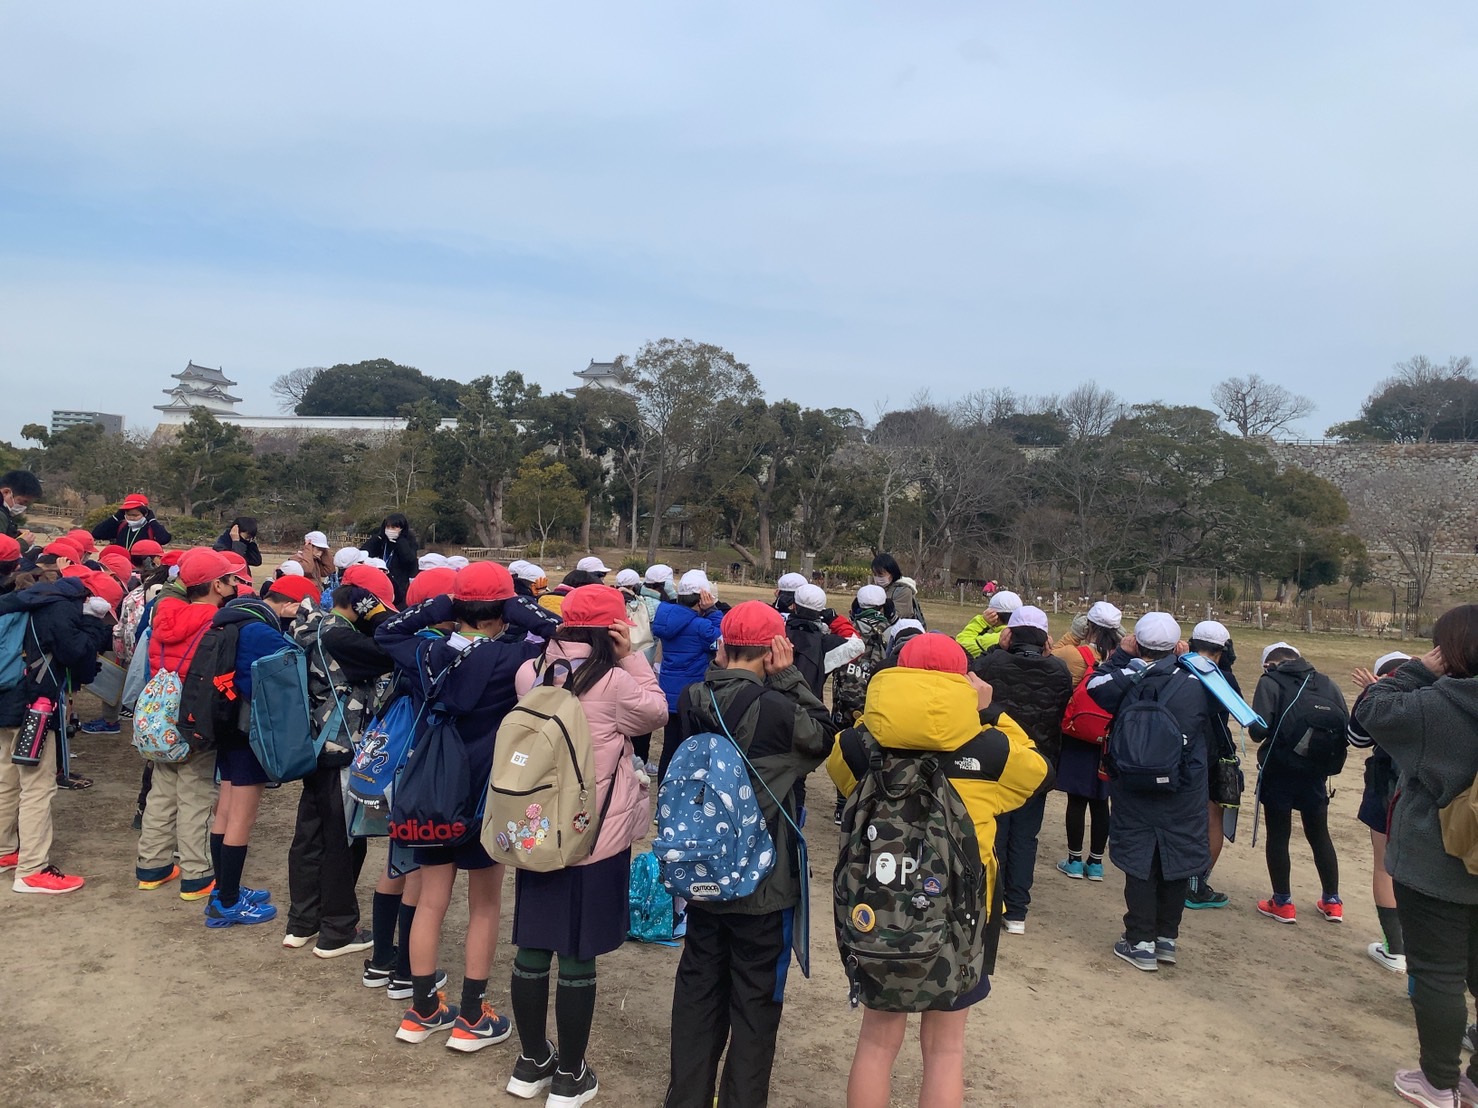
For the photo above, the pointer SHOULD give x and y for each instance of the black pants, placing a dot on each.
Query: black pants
(725, 996)
(1078, 808)
(1016, 851)
(1441, 959)
(672, 738)
(641, 746)
(322, 866)
(1316, 831)
(1153, 907)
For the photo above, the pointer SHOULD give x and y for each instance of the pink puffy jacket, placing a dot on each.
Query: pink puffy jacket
(625, 702)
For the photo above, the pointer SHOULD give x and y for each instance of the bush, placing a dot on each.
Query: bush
(638, 564)
(189, 531)
(555, 549)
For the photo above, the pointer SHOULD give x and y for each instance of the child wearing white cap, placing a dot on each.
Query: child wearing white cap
(984, 631)
(1213, 641)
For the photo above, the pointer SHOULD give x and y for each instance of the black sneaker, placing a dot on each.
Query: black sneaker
(400, 988)
(570, 1090)
(530, 1078)
(1202, 895)
(351, 944)
(376, 977)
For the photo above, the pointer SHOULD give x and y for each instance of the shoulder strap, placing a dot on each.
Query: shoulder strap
(1273, 736)
(1089, 658)
(438, 681)
(754, 773)
(328, 673)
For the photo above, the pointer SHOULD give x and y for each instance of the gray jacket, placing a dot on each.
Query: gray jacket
(1430, 727)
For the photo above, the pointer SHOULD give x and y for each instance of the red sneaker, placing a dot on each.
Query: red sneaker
(49, 881)
(10, 861)
(1283, 913)
(1332, 910)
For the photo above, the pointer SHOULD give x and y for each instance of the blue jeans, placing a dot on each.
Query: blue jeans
(1016, 852)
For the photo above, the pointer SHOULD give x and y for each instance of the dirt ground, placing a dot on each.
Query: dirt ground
(116, 996)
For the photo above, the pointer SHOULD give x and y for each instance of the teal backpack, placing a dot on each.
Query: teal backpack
(12, 637)
(282, 734)
(649, 901)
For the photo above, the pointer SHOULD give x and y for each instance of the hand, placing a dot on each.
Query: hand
(621, 639)
(983, 691)
(1363, 678)
(1182, 647)
(706, 601)
(27, 538)
(235, 533)
(781, 656)
(1434, 662)
(1129, 645)
(992, 617)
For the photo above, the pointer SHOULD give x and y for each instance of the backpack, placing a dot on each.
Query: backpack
(12, 655)
(1146, 747)
(542, 789)
(1312, 733)
(138, 672)
(156, 715)
(281, 732)
(1460, 828)
(1083, 718)
(909, 886)
(382, 751)
(435, 802)
(210, 707)
(712, 841)
(648, 902)
(849, 689)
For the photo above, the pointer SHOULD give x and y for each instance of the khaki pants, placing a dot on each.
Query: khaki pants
(25, 806)
(177, 816)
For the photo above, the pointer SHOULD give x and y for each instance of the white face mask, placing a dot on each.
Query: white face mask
(392, 533)
(880, 580)
(135, 524)
(14, 508)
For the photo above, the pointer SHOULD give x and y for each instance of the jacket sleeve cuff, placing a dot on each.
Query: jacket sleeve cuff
(989, 715)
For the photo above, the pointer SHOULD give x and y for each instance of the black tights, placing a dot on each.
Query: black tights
(1078, 808)
(1316, 830)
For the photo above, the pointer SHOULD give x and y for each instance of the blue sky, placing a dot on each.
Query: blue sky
(860, 200)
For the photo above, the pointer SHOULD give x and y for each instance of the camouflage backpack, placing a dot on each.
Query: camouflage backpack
(849, 692)
(909, 886)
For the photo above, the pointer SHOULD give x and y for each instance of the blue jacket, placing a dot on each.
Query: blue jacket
(688, 642)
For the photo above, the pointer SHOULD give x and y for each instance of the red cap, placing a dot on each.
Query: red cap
(237, 563)
(10, 550)
(76, 571)
(146, 548)
(593, 606)
(752, 624)
(83, 540)
(373, 581)
(169, 557)
(437, 581)
(116, 564)
(483, 581)
(63, 548)
(291, 585)
(200, 565)
(100, 584)
(134, 500)
(934, 651)
(243, 589)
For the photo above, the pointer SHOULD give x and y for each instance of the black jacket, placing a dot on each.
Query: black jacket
(1275, 691)
(115, 530)
(61, 628)
(401, 557)
(248, 550)
(1032, 688)
(812, 642)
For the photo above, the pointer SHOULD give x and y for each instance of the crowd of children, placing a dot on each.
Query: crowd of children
(1005, 712)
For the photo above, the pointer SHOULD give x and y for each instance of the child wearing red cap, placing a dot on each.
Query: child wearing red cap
(133, 521)
(731, 978)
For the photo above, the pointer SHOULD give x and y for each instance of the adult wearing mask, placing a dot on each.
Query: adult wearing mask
(902, 591)
(134, 520)
(394, 543)
(241, 538)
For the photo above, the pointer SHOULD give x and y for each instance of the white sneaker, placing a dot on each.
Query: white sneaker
(1396, 963)
(1016, 927)
(297, 942)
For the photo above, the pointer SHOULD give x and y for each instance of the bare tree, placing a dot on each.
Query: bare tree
(1256, 407)
(291, 386)
(1090, 412)
(1407, 514)
(1427, 394)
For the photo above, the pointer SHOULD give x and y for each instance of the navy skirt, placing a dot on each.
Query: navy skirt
(581, 912)
(1077, 769)
(1380, 792)
(238, 765)
(1289, 791)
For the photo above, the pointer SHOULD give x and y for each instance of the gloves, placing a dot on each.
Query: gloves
(97, 606)
(1080, 626)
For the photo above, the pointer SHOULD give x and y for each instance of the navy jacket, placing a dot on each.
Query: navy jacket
(248, 550)
(260, 635)
(61, 629)
(115, 530)
(688, 642)
(401, 557)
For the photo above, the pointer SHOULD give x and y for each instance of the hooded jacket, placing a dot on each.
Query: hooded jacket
(1275, 692)
(175, 628)
(688, 642)
(1429, 725)
(401, 557)
(1033, 688)
(818, 650)
(626, 701)
(58, 627)
(917, 709)
(115, 530)
(786, 734)
(979, 635)
(903, 594)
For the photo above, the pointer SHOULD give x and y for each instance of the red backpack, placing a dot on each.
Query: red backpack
(1082, 718)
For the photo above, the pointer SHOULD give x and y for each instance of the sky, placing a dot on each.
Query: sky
(860, 200)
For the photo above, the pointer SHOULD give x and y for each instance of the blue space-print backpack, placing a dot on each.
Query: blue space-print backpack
(711, 839)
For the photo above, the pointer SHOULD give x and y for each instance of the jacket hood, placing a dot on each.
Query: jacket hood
(909, 581)
(870, 622)
(246, 609)
(47, 592)
(1462, 692)
(918, 709)
(1297, 667)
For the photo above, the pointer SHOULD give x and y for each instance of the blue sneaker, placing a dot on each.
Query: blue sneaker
(256, 896)
(416, 1028)
(100, 727)
(489, 1030)
(1165, 951)
(243, 912)
(1093, 871)
(1073, 868)
(1139, 955)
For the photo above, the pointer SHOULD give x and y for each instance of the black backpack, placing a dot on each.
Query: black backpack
(1312, 734)
(1146, 747)
(210, 706)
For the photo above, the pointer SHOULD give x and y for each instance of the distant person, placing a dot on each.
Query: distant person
(241, 538)
(903, 593)
(1213, 642)
(1097, 637)
(595, 567)
(395, 544)
(134, 520)
(18, 488)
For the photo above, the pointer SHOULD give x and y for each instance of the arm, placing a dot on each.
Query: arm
(840, 651)
(1111, 680)
(251, 552)
(1390, 711)
(375, 546)
(161, 533)
(843, 626)
(358, 655)
(978, 636)
(847, 762)
(813, 730)
(640, 704)
(397, 635)
(1026, 773)
(108, 528)
(224, 542)
(522, 612)
(1265, 704)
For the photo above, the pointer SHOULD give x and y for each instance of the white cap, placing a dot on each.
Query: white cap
(347, 556)
(292, 567)
(658, 573)
(456, 561)
(628, 579)
(1387, 659)
(516, 565)
(1157, 631)
(1208, 630)
(377, 563)
(872, 596)
(811, 597)
(592, 565)
(693, 582)
(527, 571)
(903, 625)
(431, 560)
(1104, 614)
(789, 582)
(1028, 616)
(1004, 601)
(1278, 646)
(316, 538)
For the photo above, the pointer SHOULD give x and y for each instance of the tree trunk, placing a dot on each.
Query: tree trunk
(497, 514)
(584, 528)
(656, 529)
(765, 500)
(887, 506)
(635, 514)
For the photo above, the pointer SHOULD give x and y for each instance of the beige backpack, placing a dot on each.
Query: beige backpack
(540, 813)
(1460, 828)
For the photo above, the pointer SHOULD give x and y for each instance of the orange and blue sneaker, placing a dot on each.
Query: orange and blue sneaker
(1332, 909)
(156, 879)
(490, 1030)
(196, 888)
(1283, 913)
(416, 1028)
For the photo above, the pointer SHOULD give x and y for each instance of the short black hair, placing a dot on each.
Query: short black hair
(745, 653)
(1029, 636)
(246, 525)
(1155, 655)
(886, 563)
(198, 592)
(1198, 645)
(343, 596)
(476, 611)
(396, 519)
(688, 599)
(1279, 656)
(577, 577)
(22, 482)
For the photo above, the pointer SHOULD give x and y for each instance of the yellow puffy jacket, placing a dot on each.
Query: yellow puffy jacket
(996, 768)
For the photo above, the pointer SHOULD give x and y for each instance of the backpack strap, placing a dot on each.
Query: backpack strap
(1090, 659)
(713, 698)
(438, 681)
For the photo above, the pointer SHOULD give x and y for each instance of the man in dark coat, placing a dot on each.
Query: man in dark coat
(1160, 838)
(1033, 688)
(17, 489)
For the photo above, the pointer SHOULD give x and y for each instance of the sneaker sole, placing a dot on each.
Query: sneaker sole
(1277, 919)
(1201, 906)
(211, 921)
(20, 888)
(1098, 878)
(297, 942)
(1333, 919)
(192, 895)
(471, 1045)
(1385, 964)
(1152, 967)
(1421, 1099)
(419, 1034)
(340, 951)
(1164, 961)
(528, 1090)
(572, 1101)
(374, 982)
(1071, 876)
